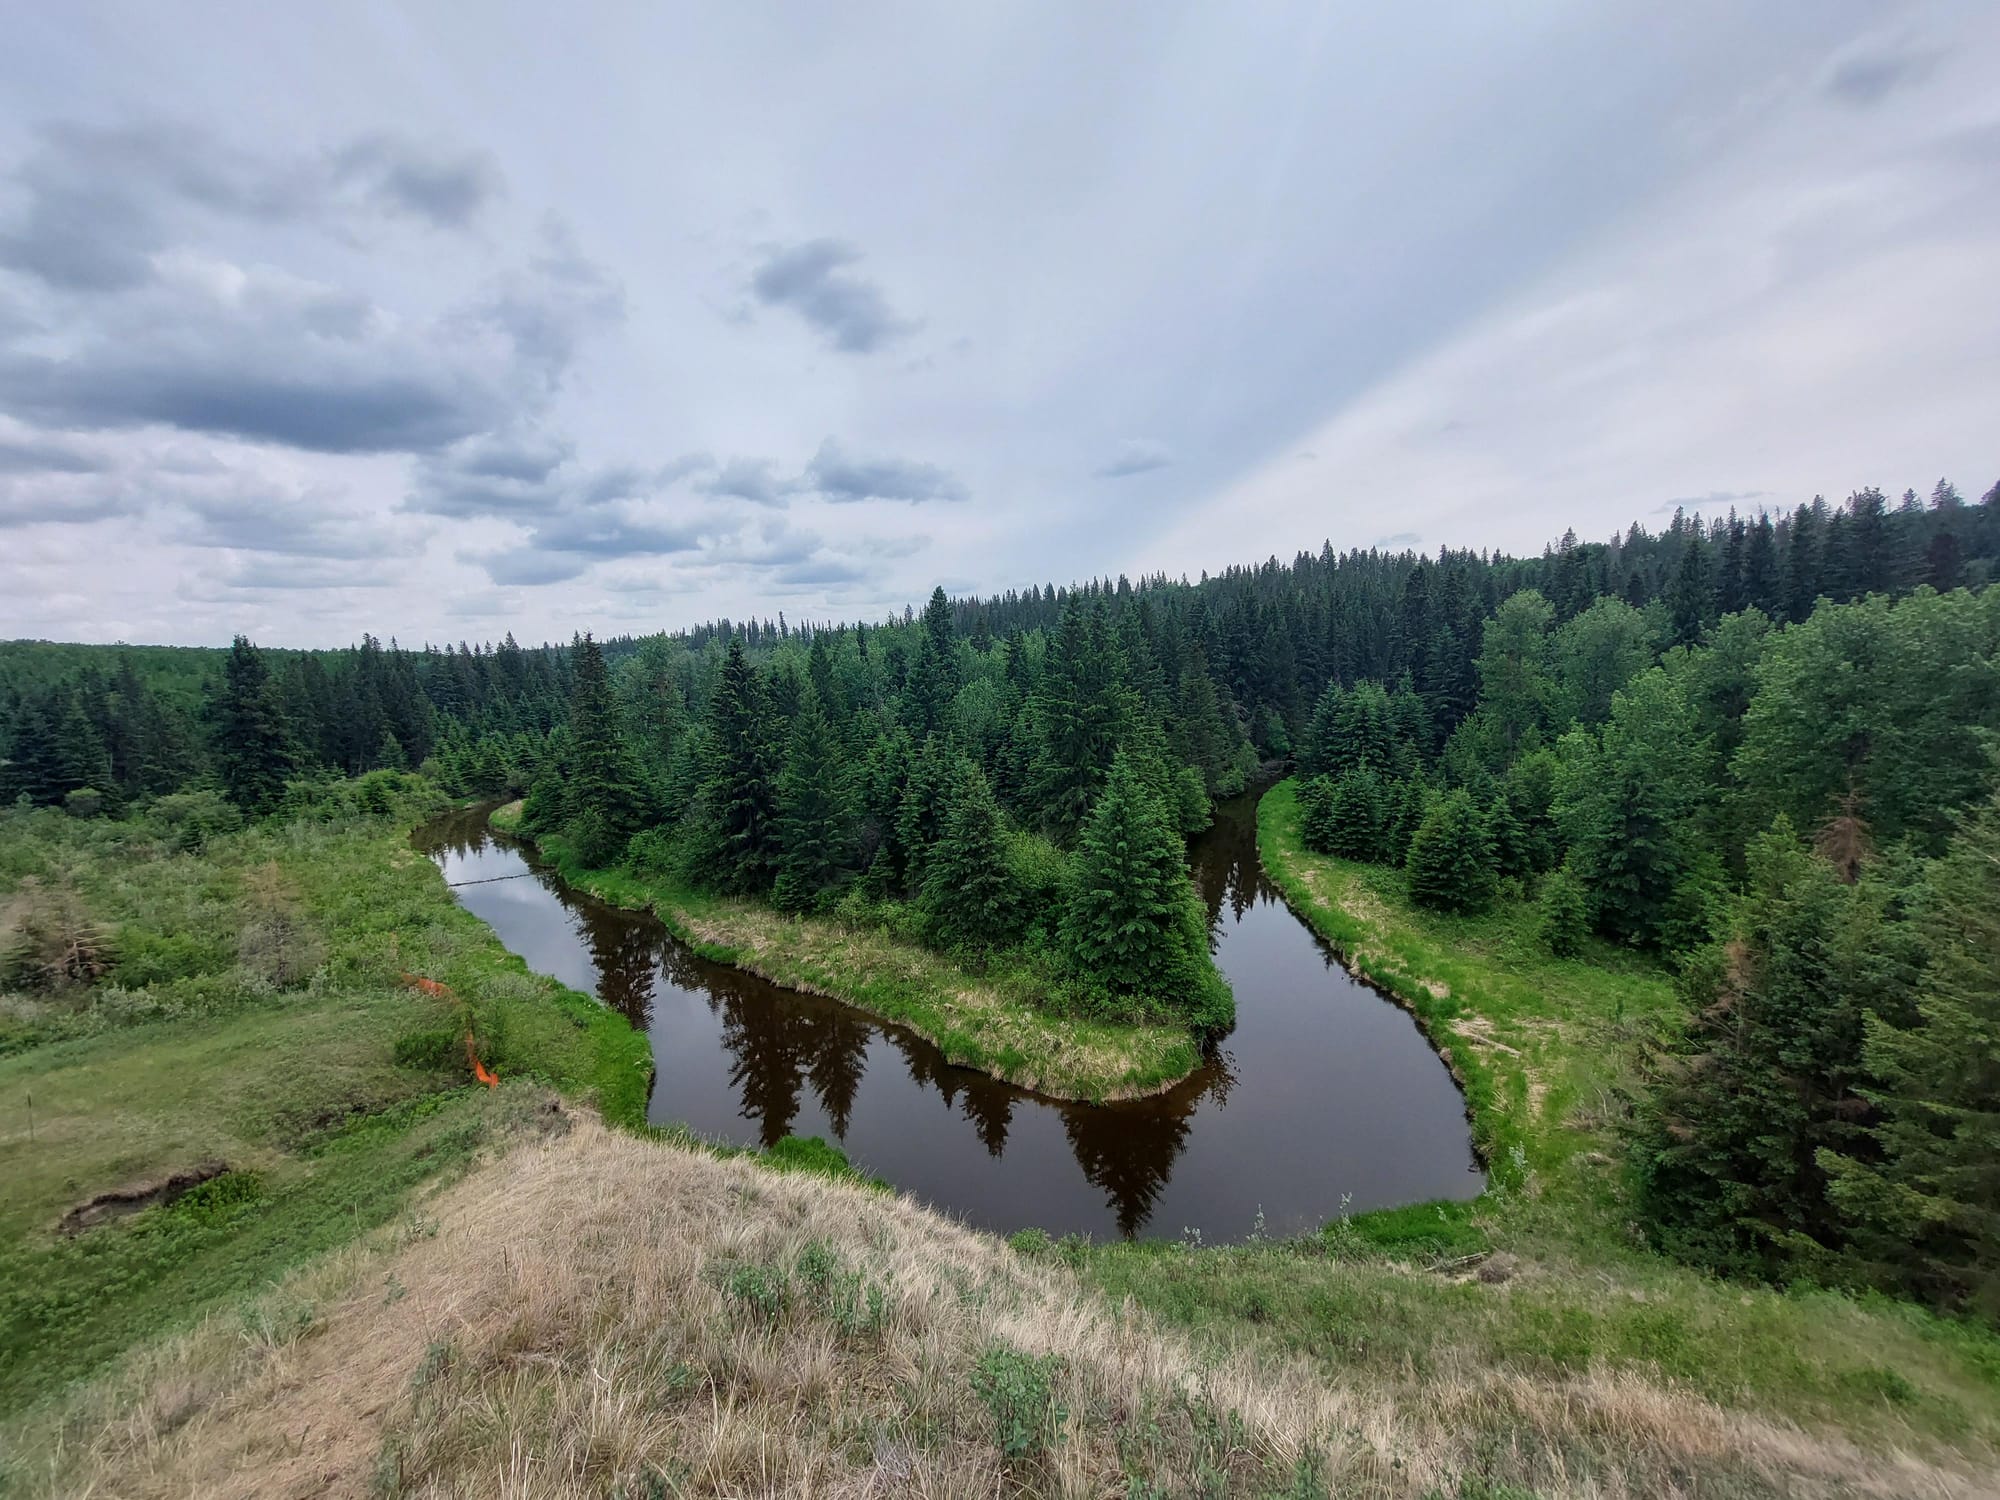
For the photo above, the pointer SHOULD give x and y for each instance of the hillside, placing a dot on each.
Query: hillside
(596, 1314)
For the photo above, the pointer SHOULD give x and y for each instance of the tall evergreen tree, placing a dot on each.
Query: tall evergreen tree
(741, 793)
(1450, 862)
(1924, 1204)
(1133, 923)
(253, 745)
(971, 898)
(814, 826)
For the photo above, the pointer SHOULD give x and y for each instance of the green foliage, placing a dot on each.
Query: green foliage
(1892, 704)
(1922, 1199)
(1727, 1149)
(814, 825)
(1019, 1390)
(254, 751)
(1564, 918)
(971, 898)
(1352, 816)
(740, 797)
(1624, 802)
(1450, 863)
(1133, 924)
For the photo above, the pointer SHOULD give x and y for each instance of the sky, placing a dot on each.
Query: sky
(443, 320)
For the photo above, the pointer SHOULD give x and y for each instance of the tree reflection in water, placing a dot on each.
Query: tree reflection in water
(779, 1043)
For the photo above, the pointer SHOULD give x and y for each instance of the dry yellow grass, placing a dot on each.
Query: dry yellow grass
(597, 1315)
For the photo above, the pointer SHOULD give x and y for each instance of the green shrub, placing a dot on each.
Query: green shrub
(190, 819)
(1564, 919)
(1019, 1389)
(440, 1049)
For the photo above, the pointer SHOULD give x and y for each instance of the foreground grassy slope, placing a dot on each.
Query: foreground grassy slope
(599, 1315)
(250, 1020)
(990, 1020)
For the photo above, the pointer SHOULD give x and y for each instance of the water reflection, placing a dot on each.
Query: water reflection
(1347, 1104)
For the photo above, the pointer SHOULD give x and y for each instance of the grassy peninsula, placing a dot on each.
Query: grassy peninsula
(990, 1019)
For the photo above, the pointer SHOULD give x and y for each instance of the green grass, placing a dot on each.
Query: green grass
(991, 1019)
(1540, 1045)
(190, 1051)
(1543, 1047)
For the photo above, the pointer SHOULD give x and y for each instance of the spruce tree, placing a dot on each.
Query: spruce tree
(741, 794)
(1924, 1204)
(1727, 1147)
(1450, 861)
(1133, 924)
(253, 745)
(605, 802)
(813, 823)
(971, 898)
(1563, 918)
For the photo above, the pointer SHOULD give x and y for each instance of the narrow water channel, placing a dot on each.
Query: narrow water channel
(1325, 1097)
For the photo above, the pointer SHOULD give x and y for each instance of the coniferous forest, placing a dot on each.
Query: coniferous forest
(1762, 751)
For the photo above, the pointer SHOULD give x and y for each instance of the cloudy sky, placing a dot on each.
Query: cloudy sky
(442, 319)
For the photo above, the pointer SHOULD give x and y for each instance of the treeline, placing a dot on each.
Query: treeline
(1025, 802)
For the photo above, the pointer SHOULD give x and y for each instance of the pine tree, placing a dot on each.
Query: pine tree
(920, 815)
(1924, 1205)
(741, 793)
(1727, 1147)
(813, 823)
(1349, 816)
(1691, 599)
(1450, 862)
(1133, 923)
(971, 898)
(605, 803)
(1762, 586)
(253, 745)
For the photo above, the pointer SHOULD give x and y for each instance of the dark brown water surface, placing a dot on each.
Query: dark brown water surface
(1325, 1096)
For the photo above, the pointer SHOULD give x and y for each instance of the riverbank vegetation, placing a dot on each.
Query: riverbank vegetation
(994, 1018)
(217, 1059)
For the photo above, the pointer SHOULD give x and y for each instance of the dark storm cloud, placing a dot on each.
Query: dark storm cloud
(812, 279)
(835, 475)
(1138, 456)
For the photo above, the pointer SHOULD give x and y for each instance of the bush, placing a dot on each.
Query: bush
(1564, 919)
(190, 819)
(1019, 1389)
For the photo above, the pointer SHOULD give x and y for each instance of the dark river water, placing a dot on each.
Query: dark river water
(1324, 1098)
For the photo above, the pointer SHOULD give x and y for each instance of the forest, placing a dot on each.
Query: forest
(1762, 751)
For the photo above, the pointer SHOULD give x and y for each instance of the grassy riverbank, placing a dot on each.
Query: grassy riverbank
(1569, 1304)
(252, 1020)
(987, 1019)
